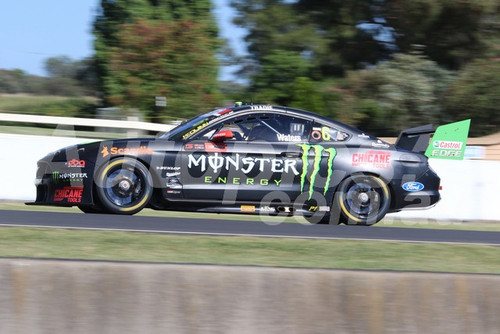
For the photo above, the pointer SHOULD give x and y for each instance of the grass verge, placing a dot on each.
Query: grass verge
(129, 246)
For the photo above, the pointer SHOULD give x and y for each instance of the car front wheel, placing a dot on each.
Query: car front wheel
(124, 186)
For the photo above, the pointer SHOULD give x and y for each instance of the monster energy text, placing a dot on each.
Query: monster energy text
(58, 176)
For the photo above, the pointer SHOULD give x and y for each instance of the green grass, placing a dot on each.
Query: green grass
(42, 105)
(128, 246)
(236, 250)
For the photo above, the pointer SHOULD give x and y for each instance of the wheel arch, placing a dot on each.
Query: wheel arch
(384, 182)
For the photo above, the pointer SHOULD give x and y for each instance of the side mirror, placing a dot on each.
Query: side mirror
(221, 136)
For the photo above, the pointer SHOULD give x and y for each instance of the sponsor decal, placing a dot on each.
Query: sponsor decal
(316, 134)
(446, 154)
(173, 174)
(75, 163)
(266, 209)
(376, 159)
(447, 149)
(380, 144)
(224, 111)
(449, 141)
(413, 186)
(194, 130)
(318, 152)
(364, 136)
(167, 168)
(212, 147)
(444, 144)
(240, 181)
(282, 137)
(173, 183)
(189, 147)
(70, 194)
(247, 208)
(263, 107)
(64, 177)
(218, 162)
(328, 134)
(321, 208)
(126, 150)
(173, 192)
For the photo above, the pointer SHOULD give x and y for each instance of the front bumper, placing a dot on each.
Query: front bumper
(56, 184)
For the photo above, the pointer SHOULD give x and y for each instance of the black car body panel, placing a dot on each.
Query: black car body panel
(248, 159)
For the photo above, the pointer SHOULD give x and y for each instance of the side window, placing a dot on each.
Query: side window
(263, 127)
(321, 133)
(240, 126)
(281, 128)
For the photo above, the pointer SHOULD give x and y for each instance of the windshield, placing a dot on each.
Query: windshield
(192, 126)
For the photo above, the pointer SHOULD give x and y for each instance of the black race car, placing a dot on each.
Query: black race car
(258, 159)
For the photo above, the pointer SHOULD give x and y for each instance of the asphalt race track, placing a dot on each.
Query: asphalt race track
(242, 228)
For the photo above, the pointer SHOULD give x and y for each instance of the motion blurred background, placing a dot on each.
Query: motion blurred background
(379, 65)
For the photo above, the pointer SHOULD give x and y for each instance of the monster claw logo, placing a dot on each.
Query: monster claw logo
(318, 153)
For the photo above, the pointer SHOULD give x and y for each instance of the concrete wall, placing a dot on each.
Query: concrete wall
(43, 296)
(470, 187)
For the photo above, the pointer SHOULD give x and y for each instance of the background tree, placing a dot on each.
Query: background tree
(359, 58)
(329, 34)
(404, 92)
(453, 32)
(162, 59)
(134, 44)
(68, 77)
(475, 94)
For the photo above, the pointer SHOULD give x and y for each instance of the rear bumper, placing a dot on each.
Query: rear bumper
(425, 198)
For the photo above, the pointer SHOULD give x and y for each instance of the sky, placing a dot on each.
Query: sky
(34, 30)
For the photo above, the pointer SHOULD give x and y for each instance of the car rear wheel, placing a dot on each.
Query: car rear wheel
(362, 199)
(124, 186)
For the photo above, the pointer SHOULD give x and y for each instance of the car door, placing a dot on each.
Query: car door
(263, 156)
(325, 163)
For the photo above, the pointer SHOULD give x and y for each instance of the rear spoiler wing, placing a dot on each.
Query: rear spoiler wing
(448, 141)
(416, 139)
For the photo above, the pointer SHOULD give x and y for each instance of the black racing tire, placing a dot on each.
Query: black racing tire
(124, 186)
(362, 200)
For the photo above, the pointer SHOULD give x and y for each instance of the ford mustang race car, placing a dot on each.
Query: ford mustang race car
(259, 159)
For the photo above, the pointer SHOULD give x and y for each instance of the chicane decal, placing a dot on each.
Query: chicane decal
(376, 159)
(318, 150)
(70, 194)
